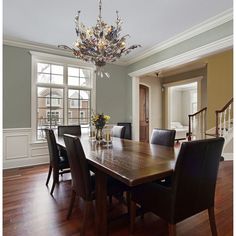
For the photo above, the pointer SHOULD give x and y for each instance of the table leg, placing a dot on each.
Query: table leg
(101, 203)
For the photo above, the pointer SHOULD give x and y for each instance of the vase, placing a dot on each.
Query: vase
(99, 134)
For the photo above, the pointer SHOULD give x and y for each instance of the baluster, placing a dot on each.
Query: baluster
(203, 123)
(229, 118)
(224, 124)
(220, 125)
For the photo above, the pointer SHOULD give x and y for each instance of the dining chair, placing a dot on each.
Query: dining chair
(83, 183)
(192, 189)
(118, 131)
(128, 129)
(69, 129)
(58, 164)
(165, 137)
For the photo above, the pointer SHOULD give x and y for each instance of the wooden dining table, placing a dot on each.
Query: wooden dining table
(131, 162)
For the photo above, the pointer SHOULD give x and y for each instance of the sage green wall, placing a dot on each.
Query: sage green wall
(16, 88)
(202, 39)
(111, 94)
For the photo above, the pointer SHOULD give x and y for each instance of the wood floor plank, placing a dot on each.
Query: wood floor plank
(29, 209)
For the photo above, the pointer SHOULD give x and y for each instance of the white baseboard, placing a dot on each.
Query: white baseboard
(228, 156)
(19, 151)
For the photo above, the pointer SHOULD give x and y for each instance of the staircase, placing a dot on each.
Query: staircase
(223, 127)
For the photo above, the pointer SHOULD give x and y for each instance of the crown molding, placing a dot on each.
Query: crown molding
(36, 46)
(194, 31)
(186, 57)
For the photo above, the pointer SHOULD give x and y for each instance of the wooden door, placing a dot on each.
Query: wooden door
(143, 113)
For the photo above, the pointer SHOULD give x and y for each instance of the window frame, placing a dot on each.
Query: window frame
(39, 57)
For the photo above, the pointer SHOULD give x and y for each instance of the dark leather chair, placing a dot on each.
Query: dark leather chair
(192, 189)
(128, 129)
(165, 137)
(58, 164)
(118, 131)
(69, 129)
(83, 183)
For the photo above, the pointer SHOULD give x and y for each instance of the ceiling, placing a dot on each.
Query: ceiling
(147, 22)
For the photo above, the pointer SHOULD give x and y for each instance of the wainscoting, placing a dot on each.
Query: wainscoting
(19, 151)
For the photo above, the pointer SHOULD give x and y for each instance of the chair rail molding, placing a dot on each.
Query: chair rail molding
(19, 151)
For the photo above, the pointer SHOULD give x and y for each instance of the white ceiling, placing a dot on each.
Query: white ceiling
(151, 22)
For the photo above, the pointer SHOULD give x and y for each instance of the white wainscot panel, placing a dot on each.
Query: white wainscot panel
(16, 144)
(19, 151)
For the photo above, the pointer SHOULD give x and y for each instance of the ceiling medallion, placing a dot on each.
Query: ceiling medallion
(99, 44)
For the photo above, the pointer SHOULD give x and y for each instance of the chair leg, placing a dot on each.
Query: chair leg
(72, 200)
(53, 186)
(212, 220)
(87, 207)
(55, 179)
(49, 174)
(172, 229)
(132, 215)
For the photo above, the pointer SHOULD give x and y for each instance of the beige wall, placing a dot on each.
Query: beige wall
(219, 83)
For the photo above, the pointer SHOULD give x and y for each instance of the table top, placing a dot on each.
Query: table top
(131, 162)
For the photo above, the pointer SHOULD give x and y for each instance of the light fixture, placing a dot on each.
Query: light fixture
(99, 44)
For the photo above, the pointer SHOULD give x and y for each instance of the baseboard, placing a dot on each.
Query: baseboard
(228, 156)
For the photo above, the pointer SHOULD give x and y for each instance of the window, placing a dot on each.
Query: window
(64, 93)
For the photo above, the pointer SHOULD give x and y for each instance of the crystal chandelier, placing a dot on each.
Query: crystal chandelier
(99, 44)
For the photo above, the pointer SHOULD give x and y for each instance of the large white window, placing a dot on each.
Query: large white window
(63, 92)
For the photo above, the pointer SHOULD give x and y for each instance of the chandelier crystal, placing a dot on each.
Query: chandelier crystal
(101, 43)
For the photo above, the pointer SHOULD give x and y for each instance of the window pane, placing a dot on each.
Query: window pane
(43, 78)
(57, 79)
(84, 73)
(84, 95)
(73, 81)
(85, 82)
(72, 93)
(43, 68)
(73, 121)
(58, 70)
(73, 71)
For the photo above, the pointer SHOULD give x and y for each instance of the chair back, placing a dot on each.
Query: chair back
(118, 131)
(165, 137)
(128, 129)
(79, 167)
(69, 129)
(195, 176)
(52, 147)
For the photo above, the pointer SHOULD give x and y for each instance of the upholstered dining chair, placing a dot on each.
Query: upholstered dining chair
(165, 137)
(83, 183)
(118, 131)
(69, 129)
(192, 189)
(58, 164)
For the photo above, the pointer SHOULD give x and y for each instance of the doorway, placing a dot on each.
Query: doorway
(143, 113)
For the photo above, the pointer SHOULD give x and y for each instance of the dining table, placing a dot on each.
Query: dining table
(131, 162)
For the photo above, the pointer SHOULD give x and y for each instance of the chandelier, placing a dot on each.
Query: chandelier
(99, 44)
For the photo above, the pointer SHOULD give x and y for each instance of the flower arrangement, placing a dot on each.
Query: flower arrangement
(99, 120)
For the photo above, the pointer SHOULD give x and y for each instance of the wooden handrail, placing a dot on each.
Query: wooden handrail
(205, 108)
(220, 111)
(225, 107)
(189, 121)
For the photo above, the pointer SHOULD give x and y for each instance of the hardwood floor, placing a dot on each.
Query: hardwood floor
(29, 209)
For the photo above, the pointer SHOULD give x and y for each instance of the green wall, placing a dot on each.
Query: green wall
(16, 88)
(111, 94)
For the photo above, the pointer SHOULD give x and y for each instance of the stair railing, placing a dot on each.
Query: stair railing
(223, 119)
(197, 121)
